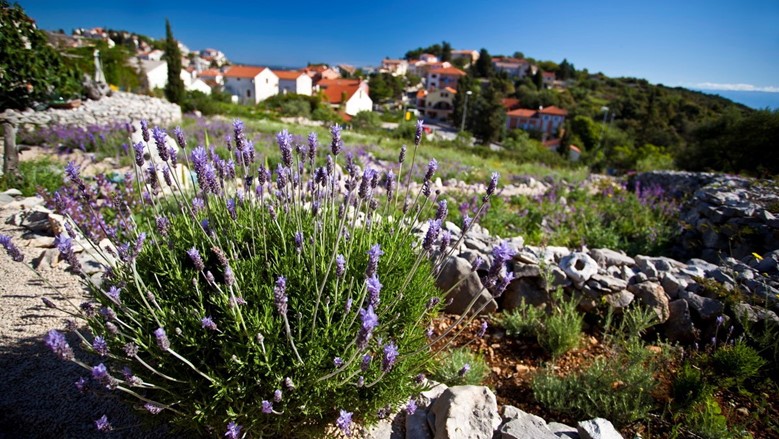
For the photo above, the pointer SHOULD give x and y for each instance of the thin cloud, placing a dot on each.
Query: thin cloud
(735, 87)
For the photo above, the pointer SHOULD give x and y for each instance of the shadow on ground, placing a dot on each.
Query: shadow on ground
(38, 398)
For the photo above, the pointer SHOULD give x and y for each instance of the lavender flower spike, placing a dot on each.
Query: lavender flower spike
(465, 369)
(208, 323)
(390, 356)
(180, 137)
(233, 430)
(103, 425)
(431, 168)
(11, 249)
(337, 143)
(369, 321)
(162, 339)
(491, 186)
(145, 130)
(340, 265)
(373, 260)
(284, 140)
(344, 422)
(312, 146)
(194, 255)
(267, 407)
(100, 346)
(280, 295)
(56, 342)
(402, 155)
(373, 286)
(160, 138)
(418, 133)
(139, 159)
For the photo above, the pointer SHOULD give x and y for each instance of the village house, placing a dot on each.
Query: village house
(436, 104)
(347, 95)
(443, 77)
(470, 56)
(395, 67)
(428, 58)
(213, 56)
(251, 84)
(320, 72)
(548, 79)
(155, 72)
(291, 81)
(546, 120)
(152, 55)
(212, 77)
(513, 67)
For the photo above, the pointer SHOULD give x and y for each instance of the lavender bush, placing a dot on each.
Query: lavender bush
(272, 299)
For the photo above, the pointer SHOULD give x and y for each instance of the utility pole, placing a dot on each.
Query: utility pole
(465, 109)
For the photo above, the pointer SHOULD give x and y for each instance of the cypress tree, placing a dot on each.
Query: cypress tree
(174, 90)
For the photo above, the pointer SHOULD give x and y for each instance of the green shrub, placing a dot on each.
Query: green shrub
(689, 386)
(460, 367)
(561, 330)
(706, 420)
(522, 321)
(264, 303)
(45, 173)
(737, 362)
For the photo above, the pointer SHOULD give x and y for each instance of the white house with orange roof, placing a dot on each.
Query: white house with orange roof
(294, 81)
(212, 77)
(428, 58)
(251, 84)
(349, 95)
(470, 56)
(548, 79)
(395, 67)
(443, 77)
(547, 120)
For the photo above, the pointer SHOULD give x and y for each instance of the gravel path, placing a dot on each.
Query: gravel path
(37, 396)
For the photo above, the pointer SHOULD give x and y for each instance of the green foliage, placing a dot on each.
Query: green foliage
(174, 89)
(366, 120)
(522, 321)
(118, 64)
(482, 68)
(31, 71)
(384, 86)
(450, 369)
(738, 363)
(689, 386)
(617, 386)
(44, 173)
(706, 420)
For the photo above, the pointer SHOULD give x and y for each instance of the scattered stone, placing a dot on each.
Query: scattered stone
(704, 307)
(679, 327)
(580, 267)
(619, 300)
(652, 295)
(524, 425)
(454, 270)
(563, 431)
(465, 412)
(531, 290)
(597, 428)
(672, 285)
(609, 258)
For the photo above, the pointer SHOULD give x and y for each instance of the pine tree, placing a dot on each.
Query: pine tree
(174, 90)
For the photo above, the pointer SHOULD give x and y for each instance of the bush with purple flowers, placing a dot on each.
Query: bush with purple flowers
(274, 294)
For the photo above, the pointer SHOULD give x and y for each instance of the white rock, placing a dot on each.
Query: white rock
(467, 412)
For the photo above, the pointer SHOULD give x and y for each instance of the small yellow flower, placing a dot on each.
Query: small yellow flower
(757, 256)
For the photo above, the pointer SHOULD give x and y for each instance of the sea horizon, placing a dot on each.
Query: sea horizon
(758, 100)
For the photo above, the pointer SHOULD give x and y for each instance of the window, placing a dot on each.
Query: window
(248, 93)
(266, 80)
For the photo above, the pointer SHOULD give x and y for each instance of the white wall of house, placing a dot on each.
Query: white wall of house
(267, 85)
(360, 101)
(243, 88)
(302, 85)
(199, 85)
(156, 73)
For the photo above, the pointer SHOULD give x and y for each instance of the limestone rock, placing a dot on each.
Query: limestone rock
(580, 267)
(652, 295)
(525, 425)
(454, 269)
(467, 412)
(679, 327)
(597, 428)
(608, 258)
(704, 307)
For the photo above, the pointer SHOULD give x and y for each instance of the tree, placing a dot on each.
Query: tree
(464, 85)
(483, 66)
(566, 70)
(174, 89)
(446, 51)
(489, 120)
(30, 71)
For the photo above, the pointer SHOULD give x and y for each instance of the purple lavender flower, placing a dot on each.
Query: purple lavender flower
(365, 364)
(491, 186)
(390, 356)
(402, 156)
(369, 321)
(56, 342)
(207, 323)
(139, 160)
(198, 204)
(426, 188)
(130, 378)
(360, 381)
(312, 146)
(280, 295)
(229, 276)
(99, 372)
(338, 362)
(482, 329)
(340, 265)
(100, 346)
(418, 133)
(442, 211)
(373, 286)
(411, 406)
(166, 175)
(130, 350)
(231, 208)
(431, 168)
(299, 241)
(337, 143)
(344, 421)
(162, 339)
(284, 139)
(433, 230)
(503, 283)
(11, 249)
(108, 313)
(240, 138)
(152, 408)
(81, 384)
(160, 138)
(194, 255)
(233, 430)
(429, 332)
(465, 369)
(163, 225)
(180, 137)
(65, 246)
(348, 306)
(277, 395)
(467, 221)
(420, 378)
(365, 184)
(111, 328)
(433, 302)
(145, 130)
(267, 407)
(289, 384)
(103, 425)
(373, 260)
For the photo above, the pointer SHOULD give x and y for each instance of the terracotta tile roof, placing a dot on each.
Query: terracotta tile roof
(574, 148)
(448, 71)
(210, 72)
(548, 74)
(393, 61)
(288, 74)
(554, 111)
(421, 93)
(243, 72)
(450, 90)
(521, 112)
(510, 103)
(335, 93)
(339, 82)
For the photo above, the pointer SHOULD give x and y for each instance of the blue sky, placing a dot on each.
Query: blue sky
(703, 44)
